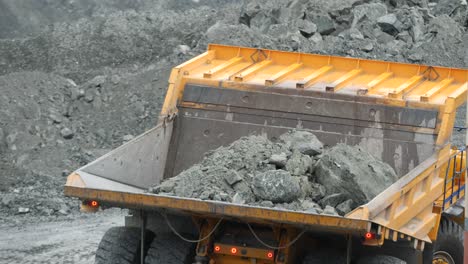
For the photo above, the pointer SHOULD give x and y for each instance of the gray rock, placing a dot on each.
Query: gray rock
(418, 28)
(182, 49)
(345, 207)
(325, 24)
(277, 186)
(316, 38)
(328, 210)
(367, 47)
(23, 210)
(355, 34)
(333, 199)
(390, 24)
(56, 119)
(308, 204)
(245, 191)
(306, 27)
(232, 177)
(279, 160)
(303, 141)
(298, 164)
(371, 12)
(127, 138)
(67, 133)
(89, 95)
(267, 204)
(238, 199)
(317, 192)
(353, 172)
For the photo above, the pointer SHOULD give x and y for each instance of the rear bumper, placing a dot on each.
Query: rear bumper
(242, 213)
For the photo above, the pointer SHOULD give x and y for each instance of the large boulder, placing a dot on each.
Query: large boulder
(277, 186)
(353, 172)
(303, 142)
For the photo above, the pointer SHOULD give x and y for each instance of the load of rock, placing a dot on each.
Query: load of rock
(294, 173)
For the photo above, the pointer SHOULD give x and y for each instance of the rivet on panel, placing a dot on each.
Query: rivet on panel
(206, 132)
(245, 99)
(309, 105)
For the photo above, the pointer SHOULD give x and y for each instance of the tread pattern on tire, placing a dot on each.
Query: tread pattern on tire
(120, 245)
(324, 256)
(170, 249)
(450, 239)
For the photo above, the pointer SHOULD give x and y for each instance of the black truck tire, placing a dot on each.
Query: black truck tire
(121, 245)
(169, 249)
(324, 256)
(449, 243)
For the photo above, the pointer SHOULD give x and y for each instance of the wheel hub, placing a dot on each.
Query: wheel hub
(442, 257)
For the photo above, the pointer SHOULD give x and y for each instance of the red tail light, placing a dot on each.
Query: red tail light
(369, 235)
(93, 203)
(270, 255)
(217, 248)
(234, 250)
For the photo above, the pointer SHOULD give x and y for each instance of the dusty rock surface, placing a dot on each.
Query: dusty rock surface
(295, 173)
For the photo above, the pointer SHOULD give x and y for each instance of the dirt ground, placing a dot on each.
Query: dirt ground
(61, 241)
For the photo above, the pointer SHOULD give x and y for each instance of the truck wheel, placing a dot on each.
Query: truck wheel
(448, 247)
(121, 245)
(170, 249)
(324, 256)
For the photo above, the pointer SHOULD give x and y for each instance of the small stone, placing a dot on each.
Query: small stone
(238, 199)
(316, 38)
(7, 199)
(224, 196)
(206, 195)
(298, 164)
(390, 24)
(67, 133)
(89, 95)
(306, 27)
(182, 49)
(23, 210)
(329, 210)
(167, 186)
(415, 57)
(355, 34)
(308, 204)
(345, 207)
(55, 118)
(303, 141)
(65, 173)
(267, 204)
(318, 191)
(333, 200)
(115, 79)
(127, 138)
(367, 47)
(325, 24)
(279, 160)
(232, 177)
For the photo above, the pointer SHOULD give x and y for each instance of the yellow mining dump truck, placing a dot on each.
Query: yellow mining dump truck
(402, 113)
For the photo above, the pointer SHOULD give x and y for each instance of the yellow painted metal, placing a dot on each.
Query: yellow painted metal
(390, 83)
(215, 209)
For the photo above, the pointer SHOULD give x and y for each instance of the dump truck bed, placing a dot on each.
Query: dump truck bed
(401, 113)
